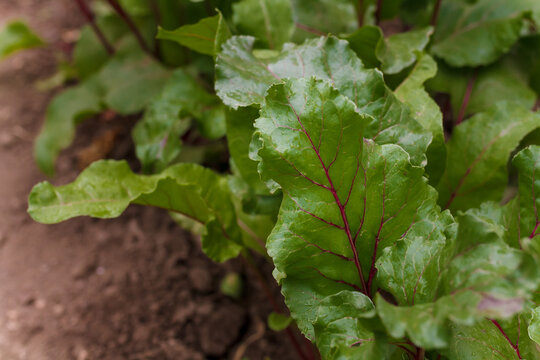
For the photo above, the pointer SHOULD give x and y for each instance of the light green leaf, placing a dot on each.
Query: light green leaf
(242, 80)
(278, 322)
(479, 33)
(157, 135)
(399, 51)
(478, 153)
(106, 188)
(205, 37)
(528, 163)
(270, 21)
(345, 199)
(534, 327)
(64, 112)
(426, 111)
(15, 36)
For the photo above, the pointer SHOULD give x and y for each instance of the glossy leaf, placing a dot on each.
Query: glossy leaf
(15, 36)
(106, 188)
(345, 199)
(478, 153)
(205, 37)
(534, 327)
(242, 80)
(528, 164)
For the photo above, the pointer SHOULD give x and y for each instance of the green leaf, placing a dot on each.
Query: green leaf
(394, 53)
(242, 80)
(528, 163)
(315, 18)
(157, 135)
(64, 112)
(426, 111)
(130, 82)
(345, 199)
(15, 36)
(478, 153)
(270, 21)
(205, 37)
(479, 33)
(278, 322)
(436, 281)
(343, 328)
(399, 51)
(534, 327)
(106, 188)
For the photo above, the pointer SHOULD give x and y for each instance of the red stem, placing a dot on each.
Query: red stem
(262, 282)
(378, 12)
(130, 23)
(514, 346)
(92, 21)
(360, 13)
(466, 98)
(435, 14)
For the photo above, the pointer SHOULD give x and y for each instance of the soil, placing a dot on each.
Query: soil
(136, 287)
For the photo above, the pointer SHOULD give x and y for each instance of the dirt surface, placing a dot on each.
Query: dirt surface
(136, 287)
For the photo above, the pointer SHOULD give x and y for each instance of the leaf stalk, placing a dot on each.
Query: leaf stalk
(89, 15)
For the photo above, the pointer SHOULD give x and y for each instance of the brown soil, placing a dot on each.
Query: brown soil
(136, 287)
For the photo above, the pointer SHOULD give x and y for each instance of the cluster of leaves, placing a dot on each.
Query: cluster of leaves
(391, 178)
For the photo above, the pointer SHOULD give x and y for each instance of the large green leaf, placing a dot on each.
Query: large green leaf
(157, 135)
(436, 281)
(345, 198)
(479, 33)
(426, 111)
(270, 21)
(478, 153)
(205, 37)
(242, 80)
(106, 188)
(16, 36)
(62, 115)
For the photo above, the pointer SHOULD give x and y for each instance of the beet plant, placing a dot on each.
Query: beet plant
(383, 155)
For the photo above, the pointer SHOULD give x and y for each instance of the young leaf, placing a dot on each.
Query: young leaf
(16, 36)
(63, 113)
(345, 199)
(411, 92)
(278, 322)
(475, 34)
(205, 37)
(534, 327)
(436, 281)
(394, 53)
(270, 21)
(478, 153)
(106, 188)
(528, 164)
(242, 80)
(130, 82)
(157, 135)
